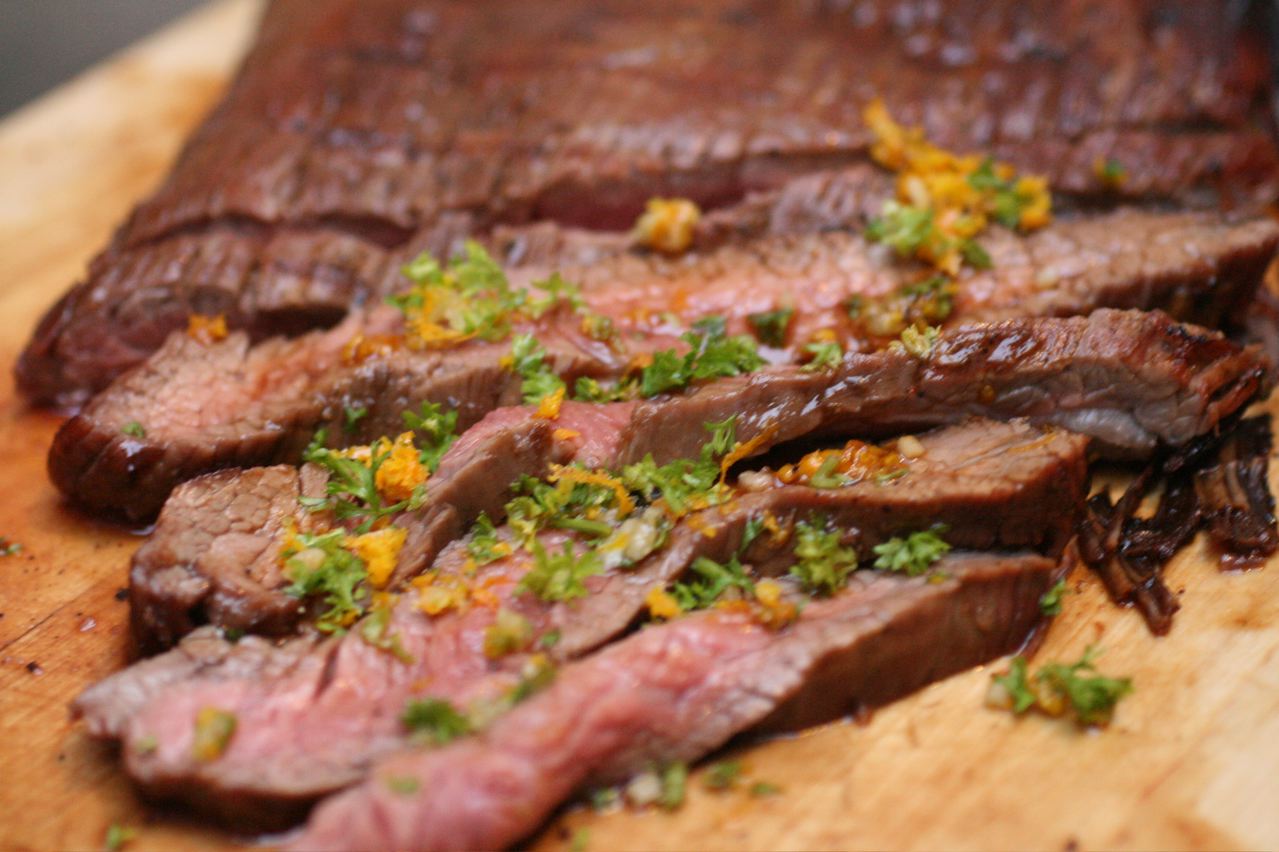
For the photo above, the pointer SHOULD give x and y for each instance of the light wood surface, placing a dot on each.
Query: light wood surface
(1191, 762)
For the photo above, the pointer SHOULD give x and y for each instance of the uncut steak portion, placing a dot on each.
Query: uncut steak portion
(205, 407)
(358, 133)
(678, 691)
(313, 713)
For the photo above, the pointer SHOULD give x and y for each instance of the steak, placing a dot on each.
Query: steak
(679, 691)
(205, 407)
(357, 134)
(311, 713)
(1133, 381)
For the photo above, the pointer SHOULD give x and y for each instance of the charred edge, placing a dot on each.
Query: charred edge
(1218, 483)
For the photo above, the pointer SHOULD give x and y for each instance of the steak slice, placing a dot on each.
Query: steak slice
(313, 713)
(1133, 381)
(355, 133)
(206, 407)
(679, 691)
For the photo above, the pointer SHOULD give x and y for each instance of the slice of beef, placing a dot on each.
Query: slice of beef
(207, 407)
(677, 692)
(354, 133)
(1133, 381)
(313, 713)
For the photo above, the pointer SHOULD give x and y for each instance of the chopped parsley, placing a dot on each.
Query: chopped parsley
(213, 731)
(712, 580)
(404, 785)
(319, 565)
(1057, 689)
(905, 228)
(528, 359)
(723, 775)
(435, 429)
(919, 341)
(1050, 602)
(133, 429)
(826, 355)
(9, 548)
(674, 781)
(1005, 199)
(559, 575)
(509, 632)
(352, 490)
(826, 476)
(771, 326)
(351, 417)
(712, 354)
(433, 721)
(118, 836)
(483, 543)
(912, 555)
(374, 630)
(822, 564)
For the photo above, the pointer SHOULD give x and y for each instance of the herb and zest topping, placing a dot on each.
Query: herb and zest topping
(912, 555)
(1060, 689)
(667, 225)
(213, 731)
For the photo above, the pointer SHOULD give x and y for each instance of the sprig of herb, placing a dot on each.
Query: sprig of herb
(826, 355)
(822, 564)
(711, 354)
(1057, 689)
(912, 555)
(435, 429)
(528, 359)
(713, 579)
(352, 490)
(434, 721)
(319, 565)
(771, 326)
(1050, 602)
(560, 575)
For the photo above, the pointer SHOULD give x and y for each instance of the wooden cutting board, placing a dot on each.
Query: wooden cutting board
(1192, 760)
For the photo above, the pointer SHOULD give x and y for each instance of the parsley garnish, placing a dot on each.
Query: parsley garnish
(352, 490)
(133, 429)
(723, 775)
(907, 229)
(826, 355)
(912, 555)
(509, 632)
(433, 721)
(559, 575)
(684, 482)
(1061, 688)
(320, 565)
(822, 565)
(1050, 602)
(528, 359)
(713, 580)
(711, 355)
(436, 430)
(919, 342)
(826, 476)
(483, 544)
(118, 836)
(674, 780)
(374, 630)
(771, 326)
(351, 417)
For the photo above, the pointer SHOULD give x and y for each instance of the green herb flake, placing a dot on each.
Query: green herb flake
(822, 564)
(711, 355)
(351, 417)
(483, 545)
(674, 780)
(118, 836)
(560, 575)
(434, 430)
(906, 228)
(403, 785)
(433, 721)
(912, 555)
(1074, 689)
(761, 789)
(320, 566)
(9, 548)
(351, 492)
(509, 632)
(549, 639)
(133, 429)
(1050, 602)
(212, 733)
(919, 341)
(528, 359)
(826, 355)
(723, 775)
(771, 326)
(375, 630)
(713, 580)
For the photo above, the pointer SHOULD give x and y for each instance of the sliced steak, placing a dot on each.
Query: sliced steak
(205, 407)
(312, 714)
(1133, 381)
(681, 690)
(355, 134)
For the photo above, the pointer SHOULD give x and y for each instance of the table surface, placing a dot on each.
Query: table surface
(1189, 763)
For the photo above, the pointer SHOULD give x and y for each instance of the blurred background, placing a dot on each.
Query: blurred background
(45, 42)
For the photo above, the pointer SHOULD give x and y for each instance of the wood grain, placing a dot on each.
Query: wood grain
(1190, 762)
